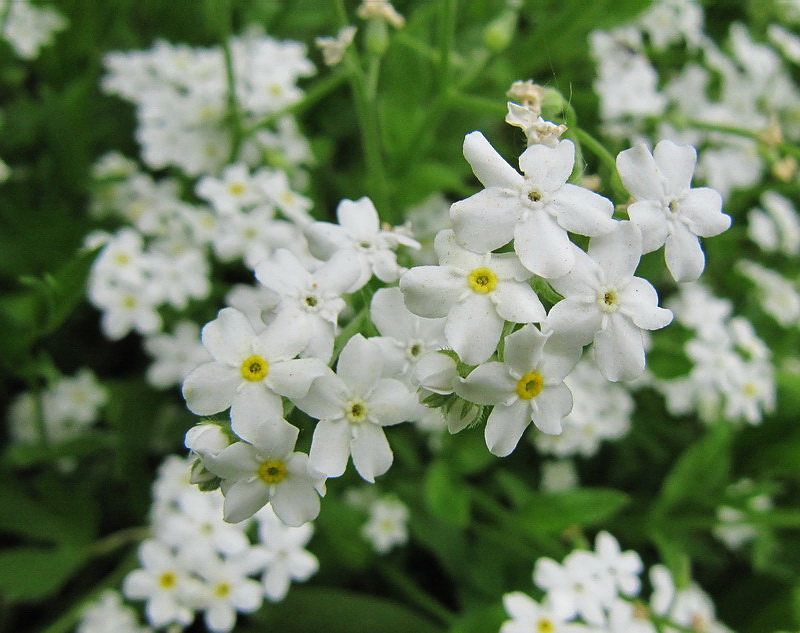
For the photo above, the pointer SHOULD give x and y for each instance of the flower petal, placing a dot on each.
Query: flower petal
(505, 427)
(582, 211)
(676, 163)
(703, 208)
(295, 501)
(619, 349)
(489, 383)
(244, 499)
(550, 407)
(210, 388)
(618, 253)
(429, 291)
(683, 254)
(391, 402)
(487, 165)
(473, 329)
(485, 221)
(292, 378)
(229, 337)
(330, 448)
(517, 302)
(360, 365)
(650, 217)
(543, 246)
(639, 301)
(372, 455)
(548, 167)
(639, 173)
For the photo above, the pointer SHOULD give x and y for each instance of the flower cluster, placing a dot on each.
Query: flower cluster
(182, 98)
(478, 290)
(732, 374)
(600, 591)
(197, 563)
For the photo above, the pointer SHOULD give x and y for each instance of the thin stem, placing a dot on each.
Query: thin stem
(447, 13)
(234, 114)
(411, 591)
(599, 150)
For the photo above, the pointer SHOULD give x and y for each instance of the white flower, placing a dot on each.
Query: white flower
(536, 209)
(309, 302)
(284, 555)
(578, 587)
(165, 582)
(405, 337)
(228, 589)
(528, 386)
(623, 567)
(265, 469)
(174, 355)
(107, 613)
(359, 231)
(667, 209)
(528, 616)
(477, 292)
(603, 302)
(250, 372)
(352, 407)
(387, 524)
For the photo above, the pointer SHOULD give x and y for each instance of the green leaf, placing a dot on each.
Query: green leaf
(480, 620)
(60, 516)
(550, 512)
(34, 573)
(446, 495)
(701, 472)
(58, 294)
(315, 609)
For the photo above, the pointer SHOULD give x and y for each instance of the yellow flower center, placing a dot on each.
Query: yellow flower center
(222, 590)
(530, 385)
(356, 410)
(545, 625)
(255, 368)
(168, 579)
(236, 188)
(272, 471)
(482, 280)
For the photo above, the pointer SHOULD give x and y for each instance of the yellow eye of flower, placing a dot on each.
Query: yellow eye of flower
(255, 368)
(545, 625)
(482, 280)
(530, 385)
(167, 580)
(272, 471)
(222, 590)
(236, 188)
(356, 410)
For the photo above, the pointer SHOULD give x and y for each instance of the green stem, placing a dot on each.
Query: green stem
(447, 14)
(234, 113)
(313, 94)
(599, 150)
(366, 110)
(411, 591)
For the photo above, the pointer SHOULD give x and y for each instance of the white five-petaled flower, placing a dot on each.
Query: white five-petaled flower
(250, 372)
(309, 301)
(352, 407)
(359, 231)
(528, 386)
(265, 469)
(477, 292)
(667, 209)
(535, 210)
(603, 302)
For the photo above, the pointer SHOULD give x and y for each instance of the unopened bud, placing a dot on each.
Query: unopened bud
(500, 32)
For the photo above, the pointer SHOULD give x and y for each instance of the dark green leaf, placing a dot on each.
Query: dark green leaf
(446, 496)
(550, 512)
(316, 609)
(34, 573)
